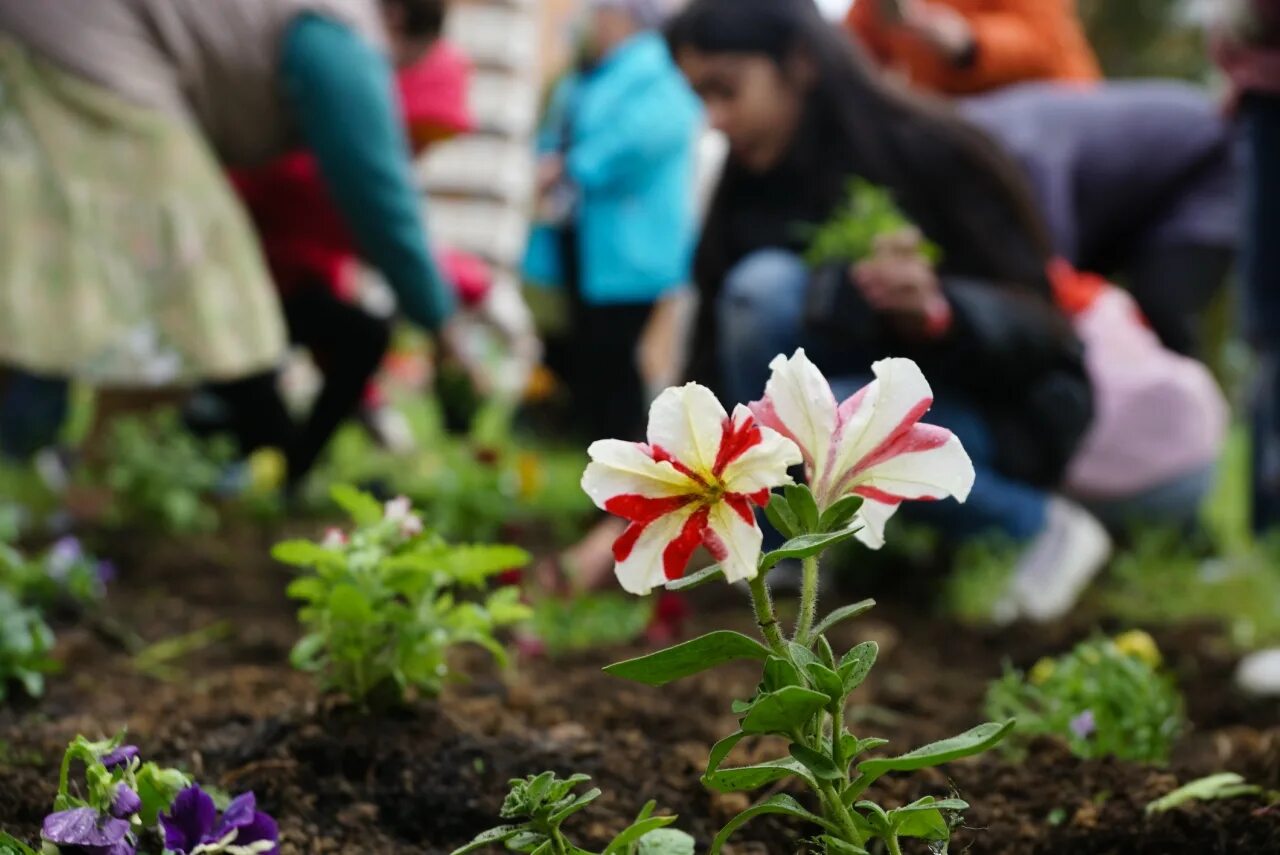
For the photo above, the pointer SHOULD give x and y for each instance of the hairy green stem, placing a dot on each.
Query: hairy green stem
(835, 810)
(837, 731)
(766, 619)
(894, 847)
(808, 600)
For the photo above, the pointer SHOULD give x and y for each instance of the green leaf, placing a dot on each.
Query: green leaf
(843, 614)
(623, 841)
(691, 657)
(309, 588)
(500, 834)
(801, 655)
(10, 845)
(348, 604)
(783, 711)
(721, 750)
(781, 517)
(803, 505)
(822, 766)
(826, 681)
(360, 506)
(853, 746)
(780, 673)
(924, 820)
(779, 804)
(836, 846)
(304, 553)
(575, 805)
(471, 565)
(1226, 785)
(804, 546)
(840, 514)
(308, 651)
(971, 742)
(696, 580)
(666, 841)
(157, 788)
(742, 778)
(857, 664)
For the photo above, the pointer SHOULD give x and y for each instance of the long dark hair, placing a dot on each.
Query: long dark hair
(952, 180)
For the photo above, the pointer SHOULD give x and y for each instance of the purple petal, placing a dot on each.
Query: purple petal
(1084, 725)
(62, 555)
(126, 802)
(118, 757)
(261, 827)
(83, 827)
(240, 812)
(106, 572)
(189, 820)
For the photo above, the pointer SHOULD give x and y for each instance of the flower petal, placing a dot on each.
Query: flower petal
(926, 462)
(798, 404)
(620, 468)
(190, 818)
(873, 515)
(640, 551)
(687, 423)
(886, 409)
(734, 538)
(259, 827)
(83, 827)
(762, 465)
(239, 812)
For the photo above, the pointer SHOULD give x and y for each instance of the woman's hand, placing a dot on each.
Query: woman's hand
(897, 280)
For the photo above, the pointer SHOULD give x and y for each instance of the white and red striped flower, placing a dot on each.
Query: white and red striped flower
(694, 483)
(871, 445)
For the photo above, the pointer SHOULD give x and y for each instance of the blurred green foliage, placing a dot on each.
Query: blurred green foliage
(1147, 38)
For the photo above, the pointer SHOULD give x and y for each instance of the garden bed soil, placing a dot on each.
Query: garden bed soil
(428, 779)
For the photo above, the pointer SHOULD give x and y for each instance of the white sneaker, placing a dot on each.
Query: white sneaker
(1059, 564)
(1259, 673)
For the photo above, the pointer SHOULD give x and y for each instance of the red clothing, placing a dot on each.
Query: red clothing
(303, 235)
(1015, 41)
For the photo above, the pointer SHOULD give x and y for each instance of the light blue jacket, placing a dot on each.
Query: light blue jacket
(634, 124)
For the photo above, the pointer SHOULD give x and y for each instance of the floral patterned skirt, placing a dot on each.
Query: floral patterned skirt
(125, 258)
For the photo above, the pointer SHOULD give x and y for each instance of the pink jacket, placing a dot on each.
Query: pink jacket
(1248, 45)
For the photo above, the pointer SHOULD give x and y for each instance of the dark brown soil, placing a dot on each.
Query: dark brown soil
(428, 779)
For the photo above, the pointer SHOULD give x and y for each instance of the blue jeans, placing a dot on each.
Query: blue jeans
(1260, 274)
(760, 314)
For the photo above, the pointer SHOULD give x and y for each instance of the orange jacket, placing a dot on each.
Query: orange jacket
(1016, 40)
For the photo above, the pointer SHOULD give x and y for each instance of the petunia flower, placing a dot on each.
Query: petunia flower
(192, 826)
(872, 444)
(334, 538)
(694, 483)
(84, 831)
(400, 510)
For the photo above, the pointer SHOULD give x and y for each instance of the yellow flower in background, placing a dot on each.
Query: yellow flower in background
(529, 475)
(1139, 645)
(1042, 671)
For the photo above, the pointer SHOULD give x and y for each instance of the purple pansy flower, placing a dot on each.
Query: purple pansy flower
(84, 831)
(126, 803)
(1084, 725)
(119, 756)
(192, 822)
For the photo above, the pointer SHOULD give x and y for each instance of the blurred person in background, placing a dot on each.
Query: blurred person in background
(991, 326)
(128, 261)
(617, 222)
(1137, 180)
(958, 47)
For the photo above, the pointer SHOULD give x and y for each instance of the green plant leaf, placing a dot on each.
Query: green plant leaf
(10, 845)
(575, 805)
(360, 506)
(348, 604)
(304, 553)
(691, 657)
(804, 546)
(836, 846)
(843, 614)
(500, 834)
(743, 778)
(924, 820)
(840, 514)
(1225, 785)
(309, 588)
(780, 673)
(666, 841)
(857, 664)
(781, 517)
(822, 766)
(853, 746)
(637, 830)
(826, 681)
(696, 580)
(973, 741)
(721, 750)
(803, 505)
(779, 804)
(783, 711)
(472, 565)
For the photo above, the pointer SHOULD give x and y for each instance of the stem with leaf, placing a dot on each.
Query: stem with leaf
(808, 601)
(766, 618)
